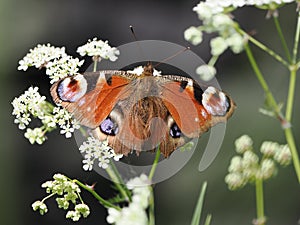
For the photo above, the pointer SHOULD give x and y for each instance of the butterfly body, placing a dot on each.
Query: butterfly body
(142, 112)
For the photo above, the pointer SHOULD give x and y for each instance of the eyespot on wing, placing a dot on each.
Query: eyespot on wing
(71, 89)
(215, 102)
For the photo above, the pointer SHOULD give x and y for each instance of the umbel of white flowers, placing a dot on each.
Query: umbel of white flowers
(31, 104)
(246, 167)
(216, 18)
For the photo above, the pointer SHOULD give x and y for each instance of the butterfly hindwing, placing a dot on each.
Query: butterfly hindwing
(193, 108)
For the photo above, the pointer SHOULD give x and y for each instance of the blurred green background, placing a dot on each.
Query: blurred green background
(68, 23)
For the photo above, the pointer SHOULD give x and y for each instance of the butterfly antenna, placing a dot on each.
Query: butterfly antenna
(136, 39)
(173, 56)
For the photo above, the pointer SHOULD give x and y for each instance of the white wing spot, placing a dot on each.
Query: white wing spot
(215, 101)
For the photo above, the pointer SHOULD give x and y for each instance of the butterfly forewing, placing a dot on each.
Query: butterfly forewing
(97, 101)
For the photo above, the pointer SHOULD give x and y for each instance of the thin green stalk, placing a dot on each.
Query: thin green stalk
(198, 209)
(151, 209)
(296, 42)
(116, 181)
(95, 66)
(154, 165)
(116, 172)
(291, 93)
(213, 60)
(104, 202)
(288, 132)
(297, 65)
(291, 142)
(208, 219)
(290, 102)
(282, 39)
(260, 214)
(151, 199)
(49, 196)
(263, 47)
(261, 78)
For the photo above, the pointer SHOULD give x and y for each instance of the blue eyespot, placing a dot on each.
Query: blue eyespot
(109, 127)
(175, 132)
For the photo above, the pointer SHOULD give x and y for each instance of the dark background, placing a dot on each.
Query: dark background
(24, 167)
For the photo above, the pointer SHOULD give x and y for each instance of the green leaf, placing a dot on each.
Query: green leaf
(198, 209)
(208, 219)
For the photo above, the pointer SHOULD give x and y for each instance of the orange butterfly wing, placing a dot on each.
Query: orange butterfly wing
(189, 114)
(103, 91)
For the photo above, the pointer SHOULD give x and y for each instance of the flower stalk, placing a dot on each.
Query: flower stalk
(117, 182)
(154, 165)
(282, 38)
(259, 201)
(291, 142)
(261, 79)
(263, 47)
(104, 202)
(151, 208)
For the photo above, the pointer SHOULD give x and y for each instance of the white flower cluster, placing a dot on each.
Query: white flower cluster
(41, 206)
(40, 56)
(68, 192)
(32, 104)
(134, 213)
(62, 67)
(80, 210)
(57, 63)
(209, 7)
(100, 49)
(220, 23)
(216, 18)
(28, 103)
(94, 149)
(246, 167)
(206, 72)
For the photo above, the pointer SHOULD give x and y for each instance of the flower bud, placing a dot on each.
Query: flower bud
(269, 148)
(283, 155)
(235, 181)
(267, 169)
(243, 144)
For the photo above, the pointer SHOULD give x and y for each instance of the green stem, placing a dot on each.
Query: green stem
(297, 65)
(208, 219)
(115, 178)
(213, 60)
(80, 198)
(261, 79)
(95, 66)
(282, 39)
(263, 47)
(291, 142)
(151, 209)
(154, 165)
(296, 42)
(259, 201)
(151, 200)
(291, 93)
(198, 209)
(104, 202)
(290, 102)
(116, 172)
(49, 196)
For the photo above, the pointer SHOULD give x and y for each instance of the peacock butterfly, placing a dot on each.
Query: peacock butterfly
(140, 112)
